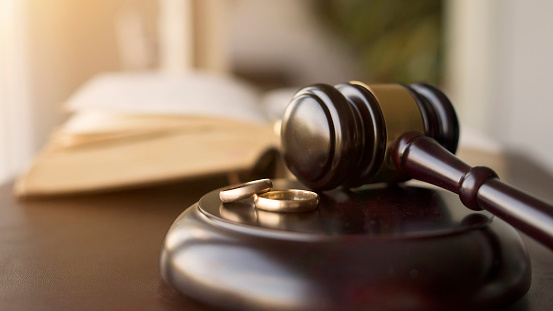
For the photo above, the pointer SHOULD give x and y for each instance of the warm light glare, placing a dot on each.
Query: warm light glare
(6, 7)
(6, 21)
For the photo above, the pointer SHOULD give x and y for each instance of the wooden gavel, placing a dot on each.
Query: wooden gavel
(353, 134)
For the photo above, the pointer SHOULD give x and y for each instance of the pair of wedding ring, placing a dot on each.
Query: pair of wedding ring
(265, 198)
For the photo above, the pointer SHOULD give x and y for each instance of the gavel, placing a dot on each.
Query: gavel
(352, 134)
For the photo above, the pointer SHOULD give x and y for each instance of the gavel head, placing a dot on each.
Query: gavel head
(342, 135)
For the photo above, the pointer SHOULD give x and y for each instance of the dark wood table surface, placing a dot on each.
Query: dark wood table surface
(100, 251)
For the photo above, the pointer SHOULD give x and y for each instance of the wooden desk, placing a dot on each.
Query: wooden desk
(100, 252)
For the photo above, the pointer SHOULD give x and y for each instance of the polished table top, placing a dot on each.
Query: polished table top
(101, 251)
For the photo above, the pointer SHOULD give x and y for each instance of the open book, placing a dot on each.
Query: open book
(129, 129)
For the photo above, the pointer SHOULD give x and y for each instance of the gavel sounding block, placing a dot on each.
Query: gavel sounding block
(380, 247)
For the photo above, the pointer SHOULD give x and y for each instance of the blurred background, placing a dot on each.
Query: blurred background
(492, 57)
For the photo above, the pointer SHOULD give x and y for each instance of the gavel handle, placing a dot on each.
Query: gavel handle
(479, 188)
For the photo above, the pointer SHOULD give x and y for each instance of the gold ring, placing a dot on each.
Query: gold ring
(245, 190)
(290, 200)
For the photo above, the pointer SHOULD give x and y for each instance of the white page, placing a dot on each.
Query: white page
(153, 93)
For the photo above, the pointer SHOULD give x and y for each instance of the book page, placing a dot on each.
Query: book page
(154, 93)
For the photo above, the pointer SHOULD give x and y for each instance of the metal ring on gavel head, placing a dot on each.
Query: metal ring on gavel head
(245, 190)
(287, 201)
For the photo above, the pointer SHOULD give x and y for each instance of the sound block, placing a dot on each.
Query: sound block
(377, 248)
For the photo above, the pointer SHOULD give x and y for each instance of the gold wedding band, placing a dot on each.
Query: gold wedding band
(290, 200)
(246, 190)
